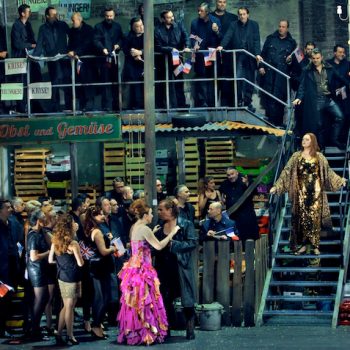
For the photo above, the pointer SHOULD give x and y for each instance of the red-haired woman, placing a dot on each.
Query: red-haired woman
(306, 177)
(142, 318)
(69, 261)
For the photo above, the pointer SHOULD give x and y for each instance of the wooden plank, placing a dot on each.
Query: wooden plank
(113, 159)
(223, 279)
(29, 181)
(29, 163)
(108, 145)
(28, 187)
(249, 301)
(113, 167)
(237, 286)
(28, 176)
(208, 271)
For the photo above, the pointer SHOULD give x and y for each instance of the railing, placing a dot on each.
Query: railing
(215, 79)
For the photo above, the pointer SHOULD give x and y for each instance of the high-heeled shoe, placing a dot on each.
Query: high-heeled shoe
(301, 251)
(72, 341)
(96, 336)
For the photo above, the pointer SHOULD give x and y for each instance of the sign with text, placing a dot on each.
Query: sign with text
(35, 5)
(15, 66)
(40, 91)
(82, 6)
(12, 92)
(60, 129)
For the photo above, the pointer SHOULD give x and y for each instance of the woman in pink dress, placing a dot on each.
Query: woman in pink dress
(142, 318)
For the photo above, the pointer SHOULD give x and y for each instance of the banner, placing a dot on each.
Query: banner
(15, 66)
(60, 129)
(12, 92)
(40, 91)
(82, 6)
(35, 5)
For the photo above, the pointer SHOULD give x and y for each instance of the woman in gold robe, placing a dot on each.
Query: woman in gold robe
(306, 177)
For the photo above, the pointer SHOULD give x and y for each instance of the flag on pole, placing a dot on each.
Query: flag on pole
(79, 64)
(212, 54)
(207, 61)
(178, 70)
(187, 67)
(176, 58)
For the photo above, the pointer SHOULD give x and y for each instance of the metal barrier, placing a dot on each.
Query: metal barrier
(215, 79)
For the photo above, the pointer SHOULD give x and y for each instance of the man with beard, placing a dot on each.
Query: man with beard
(133, 65)
(342, 98)
(171, 37)
(117, 191)
(52, 40)
(277, 52)
(80, 44)
(108, 38)
(225, 67)
(232, 189)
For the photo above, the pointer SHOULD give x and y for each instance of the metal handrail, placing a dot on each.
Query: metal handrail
(167, 81)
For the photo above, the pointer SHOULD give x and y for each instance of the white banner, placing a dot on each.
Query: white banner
(11, 92)
(15, 66)
(40, 91)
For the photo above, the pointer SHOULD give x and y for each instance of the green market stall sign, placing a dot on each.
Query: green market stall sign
(60, 129)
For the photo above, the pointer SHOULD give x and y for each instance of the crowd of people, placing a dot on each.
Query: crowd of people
(326, 98)
(100, 255)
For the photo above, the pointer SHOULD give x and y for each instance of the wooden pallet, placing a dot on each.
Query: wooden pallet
(29, 172)
(135, 165)
(91, 190)
(113, 162)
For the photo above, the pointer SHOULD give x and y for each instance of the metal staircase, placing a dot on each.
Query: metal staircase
(308, 288)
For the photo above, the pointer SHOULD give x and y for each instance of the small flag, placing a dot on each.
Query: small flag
(86, 252)
(178, 70)
(4, 289)
(230, 232)
(212, 54)
(196, 38)
(187, 67)
(207, 61)
(299, 54)
(176, 58)
(79, 64)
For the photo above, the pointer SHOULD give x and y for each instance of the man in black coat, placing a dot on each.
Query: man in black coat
(22, 39)
(232, 189)
(52, 40)
(244, 34)
(134, 63)
(3, 55)
(108, 39)
(225, 64)
(342, 98)
(317, 93)
(205, 34)
(171, 37)
(276, 51)
(80, 43)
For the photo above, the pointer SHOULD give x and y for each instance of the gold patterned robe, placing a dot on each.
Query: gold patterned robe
(291, 180)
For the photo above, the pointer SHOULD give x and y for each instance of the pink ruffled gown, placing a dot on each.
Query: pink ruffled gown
(142, 318)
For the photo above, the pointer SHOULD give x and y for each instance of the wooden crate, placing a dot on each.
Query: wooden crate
(135, 165)
(113, 162)
(29, 172)
(93, 191)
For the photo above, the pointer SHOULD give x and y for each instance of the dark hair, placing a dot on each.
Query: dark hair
(134, 20)
(100, 200)
(90, 221)
(140, 208)
(243, 8)
(43, 199)
(163, 13)
(316, 51)
(22, 8)
(139, 9)
(284, 20)
(3, 201)
(203, 183)
(169, 204)
(108, 8)
(178, 189)
(47, 10)
(117, 179)
(76, 203)
(35, 216)
(83, 196)
(335, 48)
(309, 43)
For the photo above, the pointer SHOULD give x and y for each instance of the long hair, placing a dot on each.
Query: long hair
(169, 204)
(63, 234)
(90, 221)
(203, 184)
(314, 147)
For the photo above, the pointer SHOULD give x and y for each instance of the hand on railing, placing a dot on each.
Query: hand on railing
(262, 71)
(259, 58)
(296, 102)
(273, 190)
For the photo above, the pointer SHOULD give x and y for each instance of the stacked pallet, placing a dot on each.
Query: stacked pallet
(92, 191)
(192, 161)
(219, 155)
(29, 173)
(135, 165)
(114, 162)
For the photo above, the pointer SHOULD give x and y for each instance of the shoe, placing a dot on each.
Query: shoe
(50, 331)
(59, 340)
(72, 341)
(190, 329)
(301, 251)
(86, 327)
(97, 337)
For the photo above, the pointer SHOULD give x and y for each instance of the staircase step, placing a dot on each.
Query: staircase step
(287, 229)
(330, 158)
(300, 298)
(333, 216)
(305, 269)
(298, 313)
(308, 256)
(304, 283)
(322, 242)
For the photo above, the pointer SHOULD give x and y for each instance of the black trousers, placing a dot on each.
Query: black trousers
(101, 298)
